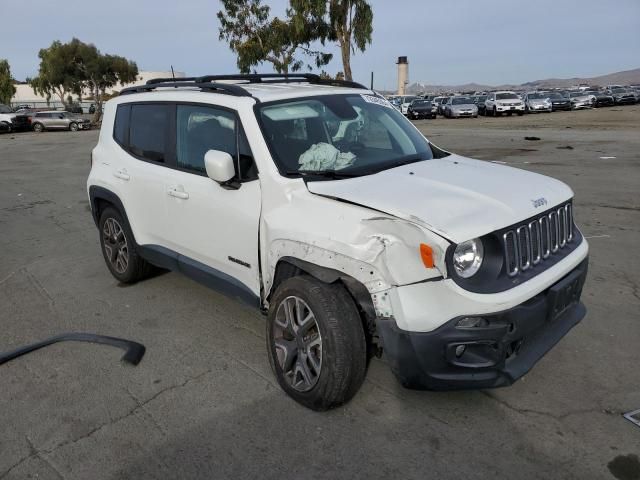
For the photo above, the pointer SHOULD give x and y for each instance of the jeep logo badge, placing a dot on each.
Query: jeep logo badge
(539, 202)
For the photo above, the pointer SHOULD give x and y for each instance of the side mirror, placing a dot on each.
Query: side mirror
(219, 166)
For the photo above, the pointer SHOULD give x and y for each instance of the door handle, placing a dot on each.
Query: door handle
(174, 192)
(122, 174)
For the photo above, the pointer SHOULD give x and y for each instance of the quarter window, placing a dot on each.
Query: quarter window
(121, 125)
(148, 131)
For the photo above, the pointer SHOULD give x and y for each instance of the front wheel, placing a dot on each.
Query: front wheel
(8, 126)
(73, 126)
(520, 113)
(38, 127)
(316, 343)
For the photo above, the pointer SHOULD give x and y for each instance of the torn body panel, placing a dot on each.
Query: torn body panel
(376, 250)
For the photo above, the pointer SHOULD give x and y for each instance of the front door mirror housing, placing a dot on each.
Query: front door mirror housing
(219, 166)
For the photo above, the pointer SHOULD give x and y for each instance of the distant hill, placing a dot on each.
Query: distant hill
(627, 77)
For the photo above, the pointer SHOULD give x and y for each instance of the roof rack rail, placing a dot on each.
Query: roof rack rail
(211, 83)
(283, 78)
(226, 88)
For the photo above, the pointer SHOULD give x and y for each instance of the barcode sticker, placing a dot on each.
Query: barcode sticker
(377, 100)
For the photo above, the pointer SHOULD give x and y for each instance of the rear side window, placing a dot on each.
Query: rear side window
(148, 131)
(121, 124)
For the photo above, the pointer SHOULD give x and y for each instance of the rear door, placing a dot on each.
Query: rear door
(141, 170)
(214, 227)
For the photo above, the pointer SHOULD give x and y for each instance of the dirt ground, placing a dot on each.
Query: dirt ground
(204, 404)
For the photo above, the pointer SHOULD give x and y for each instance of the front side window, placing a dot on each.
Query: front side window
(148, 131)
(350, 134)
(200, 129)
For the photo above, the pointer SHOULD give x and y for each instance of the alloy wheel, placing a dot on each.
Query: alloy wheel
(115, 245)
(298, 343)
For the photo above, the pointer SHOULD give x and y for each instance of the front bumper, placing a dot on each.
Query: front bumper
(494, 355)
(561, 106)
(511, 108)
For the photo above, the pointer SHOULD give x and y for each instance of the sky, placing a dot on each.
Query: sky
(448, 42)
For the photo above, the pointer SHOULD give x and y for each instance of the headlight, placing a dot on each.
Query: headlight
(467, 258)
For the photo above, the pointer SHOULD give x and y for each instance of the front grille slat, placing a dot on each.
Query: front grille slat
(527, 245)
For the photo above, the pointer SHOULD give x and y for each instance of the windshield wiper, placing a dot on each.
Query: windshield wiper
(405, 161)
(333, 174)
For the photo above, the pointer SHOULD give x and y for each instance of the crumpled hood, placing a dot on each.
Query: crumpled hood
(456, 197)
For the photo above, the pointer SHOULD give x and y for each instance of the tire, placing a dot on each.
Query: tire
(496, 113)
(73, 126)
(520, 113)
(119, 248)
(38, 127)
(341, 352)
(9, 127)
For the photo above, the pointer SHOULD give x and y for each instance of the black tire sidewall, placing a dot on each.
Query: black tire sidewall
(130, 274)
(343, 342)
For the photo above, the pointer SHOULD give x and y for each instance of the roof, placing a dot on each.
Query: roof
(261, 87)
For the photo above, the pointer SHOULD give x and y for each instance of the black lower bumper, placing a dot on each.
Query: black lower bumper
(505, 347)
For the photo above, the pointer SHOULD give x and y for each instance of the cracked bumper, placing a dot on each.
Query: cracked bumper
(494, 355)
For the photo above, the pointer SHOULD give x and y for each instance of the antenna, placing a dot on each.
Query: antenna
(173, 75)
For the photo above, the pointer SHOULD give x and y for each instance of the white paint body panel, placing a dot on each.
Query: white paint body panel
(457, 197)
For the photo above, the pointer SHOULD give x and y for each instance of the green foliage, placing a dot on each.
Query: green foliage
(256, 38)
(346, 22)
(7, 88)
(72, 67)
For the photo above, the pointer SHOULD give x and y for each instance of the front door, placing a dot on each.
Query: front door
(213, 225)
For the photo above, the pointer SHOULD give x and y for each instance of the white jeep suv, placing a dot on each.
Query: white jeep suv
(498, 103)
(318, 203)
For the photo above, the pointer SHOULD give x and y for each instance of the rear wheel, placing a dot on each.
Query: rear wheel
(316, 343)
(496, 113)
(38, 127)
(8, 127)
(118, 248)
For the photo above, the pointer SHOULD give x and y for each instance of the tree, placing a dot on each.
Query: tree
(256, 38)
(76, 66)
(57, 74)
(7, 88)
(98, 72)
(349, 23)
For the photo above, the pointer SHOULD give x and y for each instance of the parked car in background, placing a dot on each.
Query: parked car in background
(56, 120)
(22, 106)
(458, 107)
(558, 101)
(600, 99)
(537, 102)
(405, 101)
(501, 102)
(421, 108)
(479, 101)
(580, 100)
(622, 96)
(442, 104)
(437, 101)
(11, 120)
(92, 108)
(73, 108)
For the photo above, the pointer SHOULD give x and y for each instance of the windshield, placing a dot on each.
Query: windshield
(535, 96)
(507, 96)
(4, 109)
(461, 101)
(619, 90)
(420, 103)
(481, 98)
(348, 135)
(555, 95)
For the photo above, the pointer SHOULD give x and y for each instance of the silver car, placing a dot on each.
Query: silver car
(57, 120)
(537, 102)
(461, 107)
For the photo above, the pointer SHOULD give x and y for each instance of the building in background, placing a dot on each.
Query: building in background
(26, 96)
(403, 74)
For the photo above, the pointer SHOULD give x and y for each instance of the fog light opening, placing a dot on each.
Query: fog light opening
(460, 349)
(472, 322)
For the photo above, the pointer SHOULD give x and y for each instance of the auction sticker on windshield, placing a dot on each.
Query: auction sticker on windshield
(376, 100)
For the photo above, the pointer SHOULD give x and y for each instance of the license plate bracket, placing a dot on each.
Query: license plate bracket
(565, 294)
